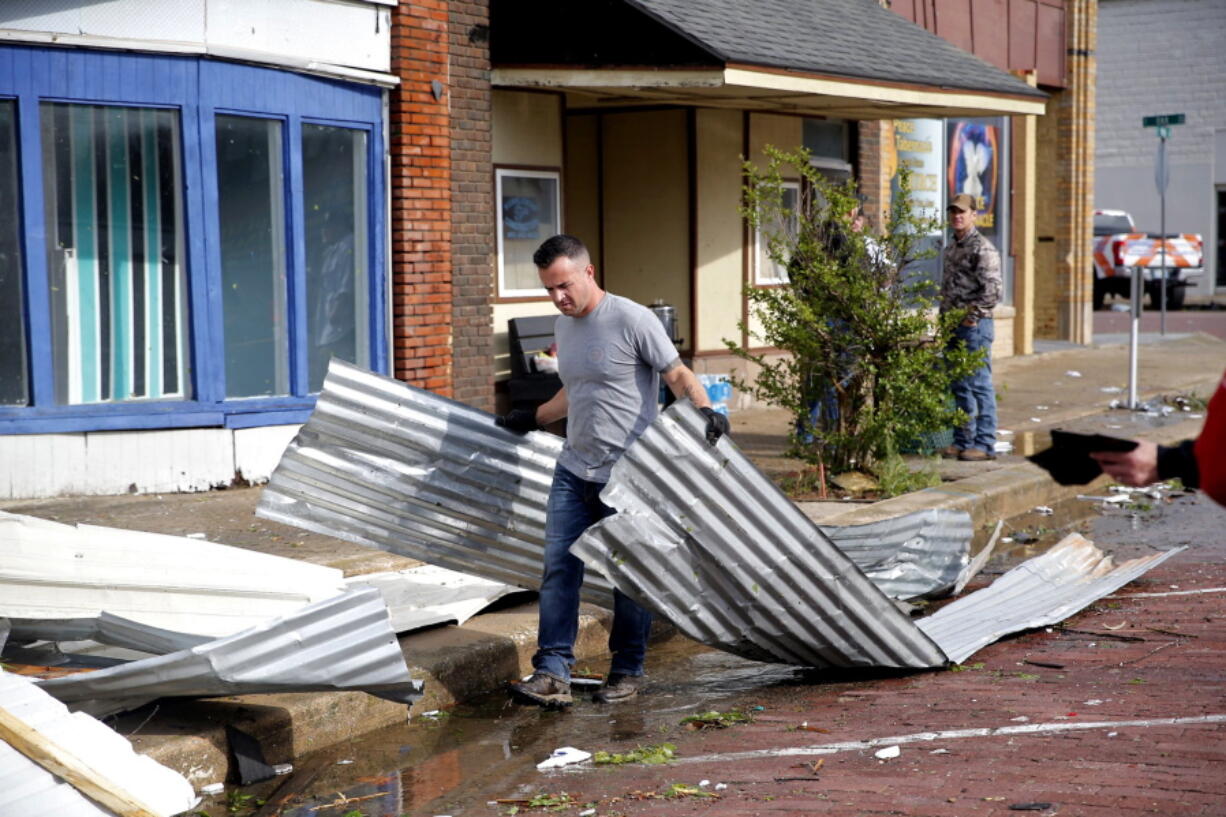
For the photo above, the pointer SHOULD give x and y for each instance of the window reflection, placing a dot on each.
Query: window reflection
(334, 197)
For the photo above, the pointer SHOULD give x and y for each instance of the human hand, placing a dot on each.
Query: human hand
(521, 421)
(1136, 467)
(717, 425)
(969, 322)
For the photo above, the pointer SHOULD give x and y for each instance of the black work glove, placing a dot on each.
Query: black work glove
(521, 421)
(717, 425)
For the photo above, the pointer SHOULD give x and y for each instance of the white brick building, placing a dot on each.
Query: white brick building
(1160, 57)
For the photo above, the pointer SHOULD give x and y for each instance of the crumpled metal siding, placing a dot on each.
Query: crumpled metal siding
(104, 628)
(28, 788)
(911, 556)
(387, 465)
(1039, 592)
(343, 643)
(704, 538)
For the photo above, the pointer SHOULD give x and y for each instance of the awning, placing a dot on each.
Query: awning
(837, 58)
(759, 89)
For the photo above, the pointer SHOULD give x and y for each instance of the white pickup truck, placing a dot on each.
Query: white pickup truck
(1118, 248)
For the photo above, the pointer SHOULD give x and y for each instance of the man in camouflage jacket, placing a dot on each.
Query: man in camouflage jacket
(971, 280)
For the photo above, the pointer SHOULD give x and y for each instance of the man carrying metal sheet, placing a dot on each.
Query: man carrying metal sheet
(611, 354)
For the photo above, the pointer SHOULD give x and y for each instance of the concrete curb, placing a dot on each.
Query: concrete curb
(458, 663)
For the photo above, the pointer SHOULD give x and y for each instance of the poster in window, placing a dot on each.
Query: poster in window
(521, 217)
(973, 167)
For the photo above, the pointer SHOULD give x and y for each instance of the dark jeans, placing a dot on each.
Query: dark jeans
(975, 394)
(574, 505)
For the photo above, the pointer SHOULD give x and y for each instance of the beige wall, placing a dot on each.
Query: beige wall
(527, 131)
(787, 134)
(783, 132)
(581, 181)
(720, 262)
(646, 210)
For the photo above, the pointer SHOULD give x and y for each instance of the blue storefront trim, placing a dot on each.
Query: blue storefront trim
(198, 89)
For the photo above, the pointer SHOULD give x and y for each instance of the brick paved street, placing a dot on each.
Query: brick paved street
(1122, 712)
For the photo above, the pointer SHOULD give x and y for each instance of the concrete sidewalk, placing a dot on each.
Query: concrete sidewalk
(1063, 388)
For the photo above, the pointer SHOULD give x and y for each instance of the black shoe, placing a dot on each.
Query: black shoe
(542, 690)
(618, 687)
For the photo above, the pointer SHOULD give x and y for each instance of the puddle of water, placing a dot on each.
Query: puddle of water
(486, 748)
(482, 750)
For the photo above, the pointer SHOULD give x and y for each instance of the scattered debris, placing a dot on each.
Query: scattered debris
(1072, 373)
(649, 755)
(71, 765)
(715, 720)
(248, 757)
(981, 559)
(342, 643)
(1029, 806)
(1043, 510)
(1047, 664)
(212, 788)
(888, 753)
(55, 571)
(721, 786)
(565, 756)
(470, 496)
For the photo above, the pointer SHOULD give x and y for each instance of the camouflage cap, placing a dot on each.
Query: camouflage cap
(962, 201)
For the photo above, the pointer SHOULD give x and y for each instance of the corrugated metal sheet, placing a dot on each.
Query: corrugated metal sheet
(343, 643)
(57, 571)
(1039, 592)
(394, 467)
(105, 629)
(701, 537)
(919, 554)
(28, 788)
(425, 595)
(704, 538)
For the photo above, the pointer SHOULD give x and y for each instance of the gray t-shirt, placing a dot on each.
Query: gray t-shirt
(609, 361)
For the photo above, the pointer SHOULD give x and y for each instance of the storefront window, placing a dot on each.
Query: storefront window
(977, 163)
(528, 208)
(113, 184)
(251, 218)
(334, 194)
(14, 385)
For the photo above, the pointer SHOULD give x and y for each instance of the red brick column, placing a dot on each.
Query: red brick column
(472, 204)
(420, 184)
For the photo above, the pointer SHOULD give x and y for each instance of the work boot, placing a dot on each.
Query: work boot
(950, 452)
(542, 690)
(976, 455)
(618, 687)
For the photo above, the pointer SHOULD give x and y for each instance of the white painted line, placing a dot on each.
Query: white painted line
(950, 734)
(1169, 593)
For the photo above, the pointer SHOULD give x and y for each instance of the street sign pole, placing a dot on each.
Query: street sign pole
(1162, 133)
(1133, 333)
(1163, 125)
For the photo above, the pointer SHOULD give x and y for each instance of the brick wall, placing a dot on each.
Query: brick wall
(1155, 57)
(420, 185)
(472, 208)
(1065, 197)
(875, 138)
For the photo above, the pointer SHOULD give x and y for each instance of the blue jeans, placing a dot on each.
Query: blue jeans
(574, 505)
(974, 394)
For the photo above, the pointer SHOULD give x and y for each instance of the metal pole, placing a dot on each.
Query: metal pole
(1132, 338)
(1162, 229)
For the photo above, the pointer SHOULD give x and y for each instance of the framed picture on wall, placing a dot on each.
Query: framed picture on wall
(528, 205)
